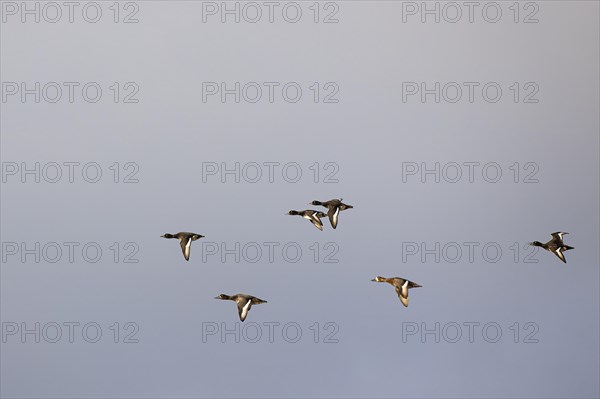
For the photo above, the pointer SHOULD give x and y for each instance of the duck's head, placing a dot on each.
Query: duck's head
(536, 244)
(315, 202)
(378, 279)
(293, 213)
(167, 235)
(222, 296)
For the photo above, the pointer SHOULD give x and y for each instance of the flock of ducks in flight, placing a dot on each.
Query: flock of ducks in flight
(334, 207)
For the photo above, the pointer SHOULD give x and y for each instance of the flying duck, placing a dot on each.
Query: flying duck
(334, 207)
(244, 303)
(555, 245)
(401, 285)
(313, 216)
(185, 239)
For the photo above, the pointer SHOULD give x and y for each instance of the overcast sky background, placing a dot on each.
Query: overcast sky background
(369, 133)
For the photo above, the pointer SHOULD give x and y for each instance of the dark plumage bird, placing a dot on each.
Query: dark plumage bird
(555, 245)
(313, 216)
(244, 303)
(334, 207)
(185, 240)
(401, 285)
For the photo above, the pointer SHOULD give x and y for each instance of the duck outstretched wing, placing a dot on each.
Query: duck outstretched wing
(558, 235)
(333, 213)
(558, 252)
(316, 221)
(244, 308)
(403, 298)
(186, 244)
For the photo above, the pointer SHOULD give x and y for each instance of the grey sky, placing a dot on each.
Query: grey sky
(368, 134)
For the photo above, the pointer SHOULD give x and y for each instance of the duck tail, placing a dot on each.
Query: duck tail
(566, 248)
